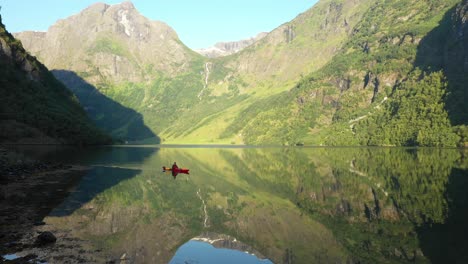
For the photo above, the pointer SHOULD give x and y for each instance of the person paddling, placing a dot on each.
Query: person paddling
(175, 170)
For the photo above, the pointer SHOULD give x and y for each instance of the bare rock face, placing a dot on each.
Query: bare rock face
(222, 49)
(302, 45)
(462, 19)
(15, 55)
(5, 48)
(109, 42)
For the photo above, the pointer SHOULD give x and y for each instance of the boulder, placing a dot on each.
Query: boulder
(45, 238)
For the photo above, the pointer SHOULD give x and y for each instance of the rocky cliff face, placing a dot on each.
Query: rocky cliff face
(445, 48)
(461, 24)
(109, 42)
(222, 49)
(12, 52)
(303, 45)
(461, 32)
(456, 65)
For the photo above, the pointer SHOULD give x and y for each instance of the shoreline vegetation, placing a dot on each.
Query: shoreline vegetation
(221, 145)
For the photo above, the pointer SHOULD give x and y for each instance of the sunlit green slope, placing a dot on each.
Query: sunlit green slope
(271, 66)
(383, 87)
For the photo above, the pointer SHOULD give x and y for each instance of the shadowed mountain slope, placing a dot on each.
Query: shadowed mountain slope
(34, 106)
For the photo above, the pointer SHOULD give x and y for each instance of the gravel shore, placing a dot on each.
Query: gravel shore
(29, 191)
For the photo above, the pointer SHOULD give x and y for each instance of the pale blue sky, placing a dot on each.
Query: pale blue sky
(199, 23)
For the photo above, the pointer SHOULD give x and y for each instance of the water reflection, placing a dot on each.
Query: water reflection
(98, 180)
(301, 205)
(201, 252)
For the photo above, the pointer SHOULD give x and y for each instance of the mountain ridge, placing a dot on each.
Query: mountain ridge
(221, 49)
(104, 26)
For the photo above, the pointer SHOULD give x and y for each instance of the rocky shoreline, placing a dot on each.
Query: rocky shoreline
(29, 191)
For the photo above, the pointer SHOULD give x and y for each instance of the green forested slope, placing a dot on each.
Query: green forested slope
(386, 86)
(34, 106)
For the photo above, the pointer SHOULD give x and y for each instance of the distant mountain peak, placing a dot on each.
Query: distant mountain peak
(126, 5)
(97, 7)
(124, 17)
(110, 10)
(221, 49)
(117, 39)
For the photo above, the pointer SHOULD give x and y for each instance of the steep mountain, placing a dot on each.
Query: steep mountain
(303, 45)
(34, 106)
(446, 48)
(221, 49)
(112, 40)
(390, 84)
(424, 104)
(112, 58)
(268, 67)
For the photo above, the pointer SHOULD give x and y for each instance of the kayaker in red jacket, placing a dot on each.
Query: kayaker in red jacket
(175, 170)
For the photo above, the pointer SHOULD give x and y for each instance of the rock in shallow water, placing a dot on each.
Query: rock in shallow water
(45, 238)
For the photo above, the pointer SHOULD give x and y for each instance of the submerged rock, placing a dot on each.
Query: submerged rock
(45, 238)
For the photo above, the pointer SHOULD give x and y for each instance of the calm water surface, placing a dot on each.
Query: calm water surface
(263, 205)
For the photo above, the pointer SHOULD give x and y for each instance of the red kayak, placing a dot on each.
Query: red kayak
(177, 170)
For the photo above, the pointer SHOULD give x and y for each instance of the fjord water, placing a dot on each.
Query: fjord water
(284, 205)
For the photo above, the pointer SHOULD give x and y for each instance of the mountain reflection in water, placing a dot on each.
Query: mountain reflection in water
(201, 252)
(291, 205)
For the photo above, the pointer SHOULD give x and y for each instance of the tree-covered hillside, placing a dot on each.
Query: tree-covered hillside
(34, 106)
(393, 83)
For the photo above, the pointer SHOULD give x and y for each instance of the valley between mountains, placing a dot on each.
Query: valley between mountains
(345, 72)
